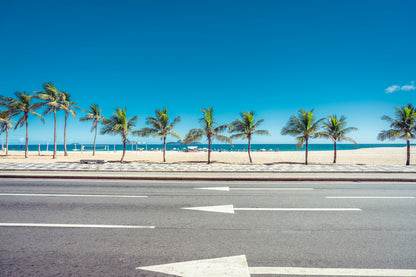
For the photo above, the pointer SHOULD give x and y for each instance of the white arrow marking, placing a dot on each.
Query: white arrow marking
(236, 266)
(228, 188)
(229, 209)
(72, 195)
(74, 226)
(370, 197)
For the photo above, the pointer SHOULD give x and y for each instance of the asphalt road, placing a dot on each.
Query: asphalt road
(381, 234)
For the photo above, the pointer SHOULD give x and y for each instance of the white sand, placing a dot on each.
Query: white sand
(367, 156)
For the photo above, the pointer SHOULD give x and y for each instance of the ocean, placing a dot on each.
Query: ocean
(215, 147)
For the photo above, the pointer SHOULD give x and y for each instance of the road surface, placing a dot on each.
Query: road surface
(115, 228)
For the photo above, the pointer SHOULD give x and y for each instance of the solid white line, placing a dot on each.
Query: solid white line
(331, 271)
(73, 195)
(299, 209)
(370, 197)
(74, 226)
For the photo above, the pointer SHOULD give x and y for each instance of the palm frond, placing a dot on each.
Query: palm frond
(262, 132)
(299, 142)
(173, 133)
(223, 139)
(193, 135)
(403, 126)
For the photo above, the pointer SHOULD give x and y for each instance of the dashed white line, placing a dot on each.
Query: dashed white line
(370, 197)
(49, 225)
(73, 195)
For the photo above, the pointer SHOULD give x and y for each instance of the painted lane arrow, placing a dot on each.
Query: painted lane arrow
(236, 266)
(229, 209)
(228, 188)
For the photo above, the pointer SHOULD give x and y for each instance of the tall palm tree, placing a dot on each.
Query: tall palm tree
(52, 100)
(160, 127)
(69, 107)
(403, 126)
(208, 129)
(22, 105)
(118, 123)
(335, 129)
(246, 127)
(94, 115)
(303, 127)
(6, 123)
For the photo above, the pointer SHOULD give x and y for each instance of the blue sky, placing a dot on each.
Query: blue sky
(355, 58)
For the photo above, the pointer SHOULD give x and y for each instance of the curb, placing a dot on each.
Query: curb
(184, 178)
(213, 171)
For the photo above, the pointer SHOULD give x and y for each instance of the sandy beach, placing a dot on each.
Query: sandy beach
(365, 156)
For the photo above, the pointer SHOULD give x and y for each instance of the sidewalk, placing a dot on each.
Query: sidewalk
(204, 172)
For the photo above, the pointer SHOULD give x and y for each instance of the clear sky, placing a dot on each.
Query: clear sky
(356, 58)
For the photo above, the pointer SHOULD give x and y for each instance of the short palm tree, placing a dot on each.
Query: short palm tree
(335, 129)
(6, 124)
(94, 115)
(160, 127)
(246, 127)
(209, 130)
(119, 124)
(402, 127)
(22, 105)
(303, 127)
(69, 107)
(52, 100)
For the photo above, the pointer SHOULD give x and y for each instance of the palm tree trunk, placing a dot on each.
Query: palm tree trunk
(7, 142)
(95, 138)
(306, 152)
(249, 155)
(335, 151)
(65, 152)
(27, 138)
(408, 152)
(164, 148)
(54, 136)
(124, 150)
(209, 150)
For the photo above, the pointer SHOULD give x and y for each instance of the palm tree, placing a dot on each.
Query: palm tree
(160, 127)
(303, 127)
(335, 129)
(246, 127)
(52, 100)
(94, 114)
(6, 123)
(118, 123)
(22, 105)
(403, 126)
(68, 106)
(208, 129)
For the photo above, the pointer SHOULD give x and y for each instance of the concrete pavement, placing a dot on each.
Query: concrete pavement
(204, 172)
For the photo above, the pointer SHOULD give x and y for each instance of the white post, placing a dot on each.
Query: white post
(38, 149)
